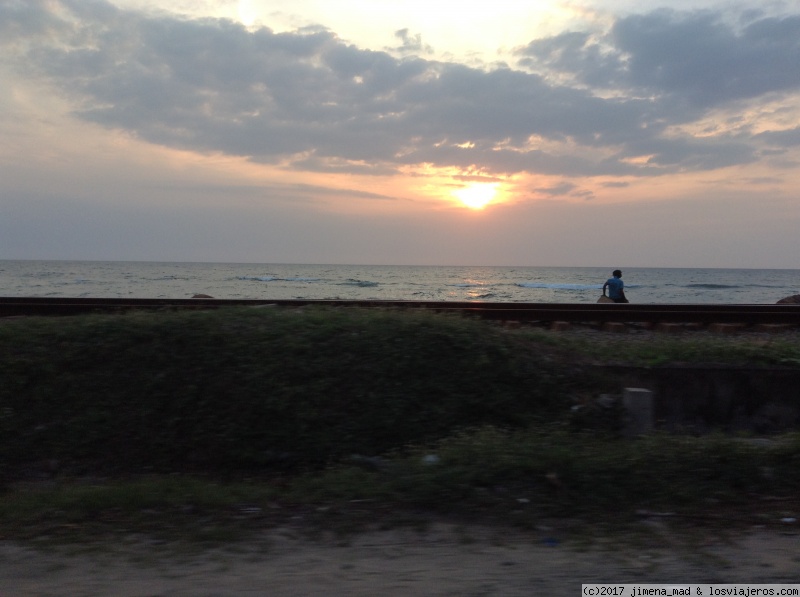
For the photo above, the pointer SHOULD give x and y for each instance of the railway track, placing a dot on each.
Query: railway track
(523, 312)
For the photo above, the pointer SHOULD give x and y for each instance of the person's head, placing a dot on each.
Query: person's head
(616, 273)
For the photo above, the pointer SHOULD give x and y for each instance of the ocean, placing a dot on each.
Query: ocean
(124, 279)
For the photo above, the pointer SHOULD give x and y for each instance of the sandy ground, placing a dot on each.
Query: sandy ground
(442, 560)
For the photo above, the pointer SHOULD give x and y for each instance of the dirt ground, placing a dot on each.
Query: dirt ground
(442, 560)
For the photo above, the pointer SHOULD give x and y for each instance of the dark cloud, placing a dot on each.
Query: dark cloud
(695, 59)
(411, 44)
(706, 63)
(561, 189)
(585, 105)
(787, 138)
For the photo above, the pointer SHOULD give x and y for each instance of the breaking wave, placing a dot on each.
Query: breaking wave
(560, 286)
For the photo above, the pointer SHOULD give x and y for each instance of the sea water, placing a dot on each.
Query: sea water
(121, 279)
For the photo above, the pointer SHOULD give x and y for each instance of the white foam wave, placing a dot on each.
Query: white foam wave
(359, 283)
(560, 286)
(258, 278)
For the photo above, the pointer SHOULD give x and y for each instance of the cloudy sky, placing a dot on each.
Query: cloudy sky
(624, 133)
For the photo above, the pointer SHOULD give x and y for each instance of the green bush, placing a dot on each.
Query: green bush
(256, 389)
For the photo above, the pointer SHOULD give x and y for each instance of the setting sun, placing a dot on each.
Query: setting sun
(476, 195)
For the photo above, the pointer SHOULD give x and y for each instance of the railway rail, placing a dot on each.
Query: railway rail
(522, 312)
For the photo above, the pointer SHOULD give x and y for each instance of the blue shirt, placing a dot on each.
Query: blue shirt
(615, 287)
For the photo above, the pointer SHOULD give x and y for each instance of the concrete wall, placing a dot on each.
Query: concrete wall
(707, 398)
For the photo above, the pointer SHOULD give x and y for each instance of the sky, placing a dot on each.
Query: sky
(618, 133)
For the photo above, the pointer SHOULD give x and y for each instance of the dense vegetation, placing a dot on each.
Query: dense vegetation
(257, 389)
(406, 408)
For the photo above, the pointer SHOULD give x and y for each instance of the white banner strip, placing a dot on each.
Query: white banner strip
(693, 590)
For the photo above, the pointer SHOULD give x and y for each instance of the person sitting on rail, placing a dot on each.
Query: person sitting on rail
(616, 288)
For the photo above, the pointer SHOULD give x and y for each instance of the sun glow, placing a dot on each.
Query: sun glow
(476, 195)
(248, 14)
